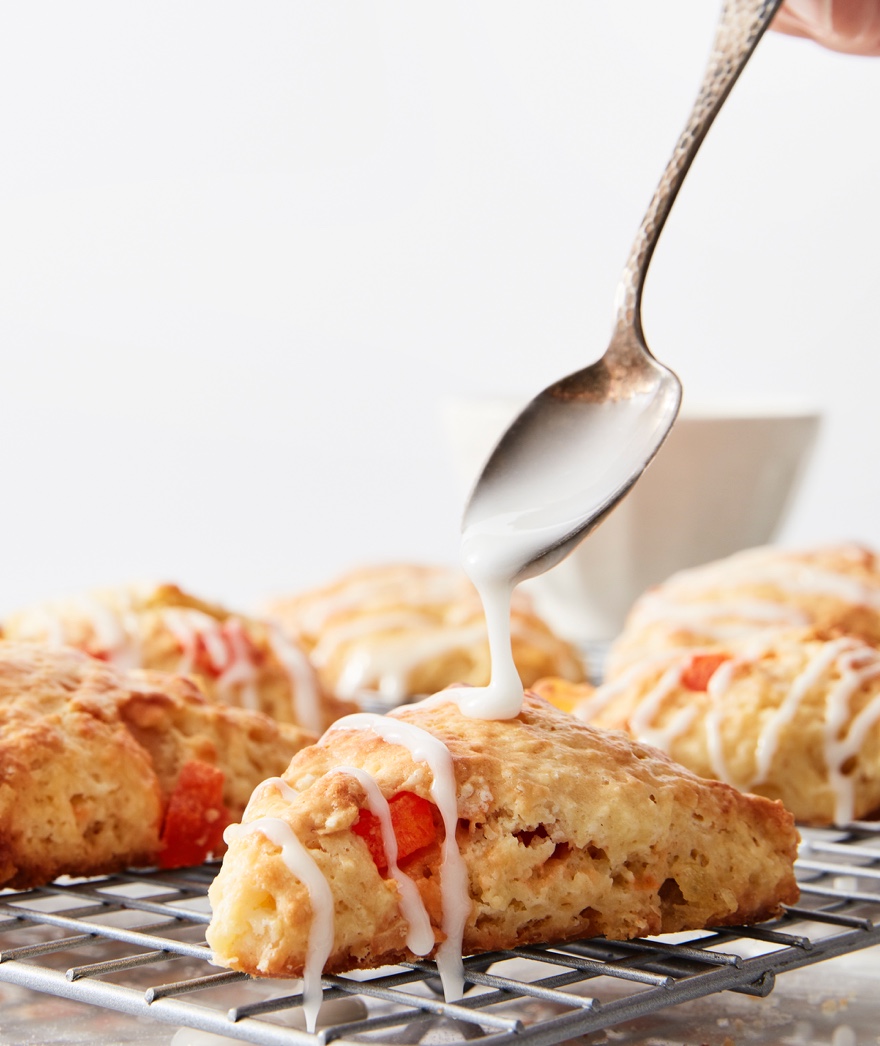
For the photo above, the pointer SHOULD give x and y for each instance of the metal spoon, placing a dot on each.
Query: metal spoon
(581, 444)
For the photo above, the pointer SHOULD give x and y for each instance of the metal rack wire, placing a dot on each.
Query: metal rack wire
(134, 943)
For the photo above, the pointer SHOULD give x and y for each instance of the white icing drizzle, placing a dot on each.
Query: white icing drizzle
(768, 739)
(387, 666)
(389, 586)
(364, 625)
(683, 597)
(424, 747)
(420, 934)
(240, 669)
(115, 631)
(303, 680)
(302, 865)
(641, 721)
(279, 784)
(226, 647)
(856, 666)
(711, 615)
(717, 687)
(104, 623)
(43, 623)
(605, 694)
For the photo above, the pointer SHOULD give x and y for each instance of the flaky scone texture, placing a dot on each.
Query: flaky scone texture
(755, 591)
(795, 717)
(236, 659)
(407, 630)
(565, 831)
(90, 757)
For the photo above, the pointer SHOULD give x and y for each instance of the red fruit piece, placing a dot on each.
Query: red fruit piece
(701, 669)
(195, 817)
(412, 819)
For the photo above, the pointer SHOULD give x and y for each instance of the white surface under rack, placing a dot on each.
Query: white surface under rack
(133, 944)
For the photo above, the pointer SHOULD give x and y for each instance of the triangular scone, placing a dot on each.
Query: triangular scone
(101, 769)
(564, 831)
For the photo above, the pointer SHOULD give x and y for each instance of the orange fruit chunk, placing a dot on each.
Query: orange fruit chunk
(195, 817)
(412, 819)
(701, 669)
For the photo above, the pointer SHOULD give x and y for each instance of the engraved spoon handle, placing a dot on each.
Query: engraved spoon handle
(741, 25)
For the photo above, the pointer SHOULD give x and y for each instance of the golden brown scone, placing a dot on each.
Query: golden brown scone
(761, 589)
(101, 769)
(237, 660)
(793, 716)
(564, 831)
(400, 631)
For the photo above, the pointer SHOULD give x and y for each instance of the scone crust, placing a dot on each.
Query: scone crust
(566, 831)
(89, 757)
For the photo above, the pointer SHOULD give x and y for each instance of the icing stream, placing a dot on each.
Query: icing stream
(302, 865)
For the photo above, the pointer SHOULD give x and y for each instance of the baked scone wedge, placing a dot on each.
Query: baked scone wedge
(534, 829)
(397, 631)
(790, 715)
(753, 592)
(236, 659)
(102, 770)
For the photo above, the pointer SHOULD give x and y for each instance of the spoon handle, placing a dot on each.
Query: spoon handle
(740, 27)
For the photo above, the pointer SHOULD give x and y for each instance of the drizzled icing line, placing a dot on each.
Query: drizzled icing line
(454, 893)
(420, 934)
(857, 666)
(717, 688)
(303, 680)
(226, 646)
(685, 601)
(302, 865)
(455, 896)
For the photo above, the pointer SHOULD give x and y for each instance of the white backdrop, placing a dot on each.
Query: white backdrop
(248, 249)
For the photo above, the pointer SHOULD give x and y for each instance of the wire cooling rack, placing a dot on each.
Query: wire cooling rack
(134, 943)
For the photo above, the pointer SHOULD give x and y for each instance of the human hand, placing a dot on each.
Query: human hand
(851, 26)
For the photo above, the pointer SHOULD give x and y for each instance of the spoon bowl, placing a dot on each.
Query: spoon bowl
(577, 449)
(566, 461)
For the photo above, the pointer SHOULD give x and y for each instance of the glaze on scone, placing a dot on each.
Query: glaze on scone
(237, 660)
(837, 587)
(403, 630)
(793, 716)
(564, 832)
(93, 759)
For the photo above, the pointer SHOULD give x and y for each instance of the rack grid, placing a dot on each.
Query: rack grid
(134, 943)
